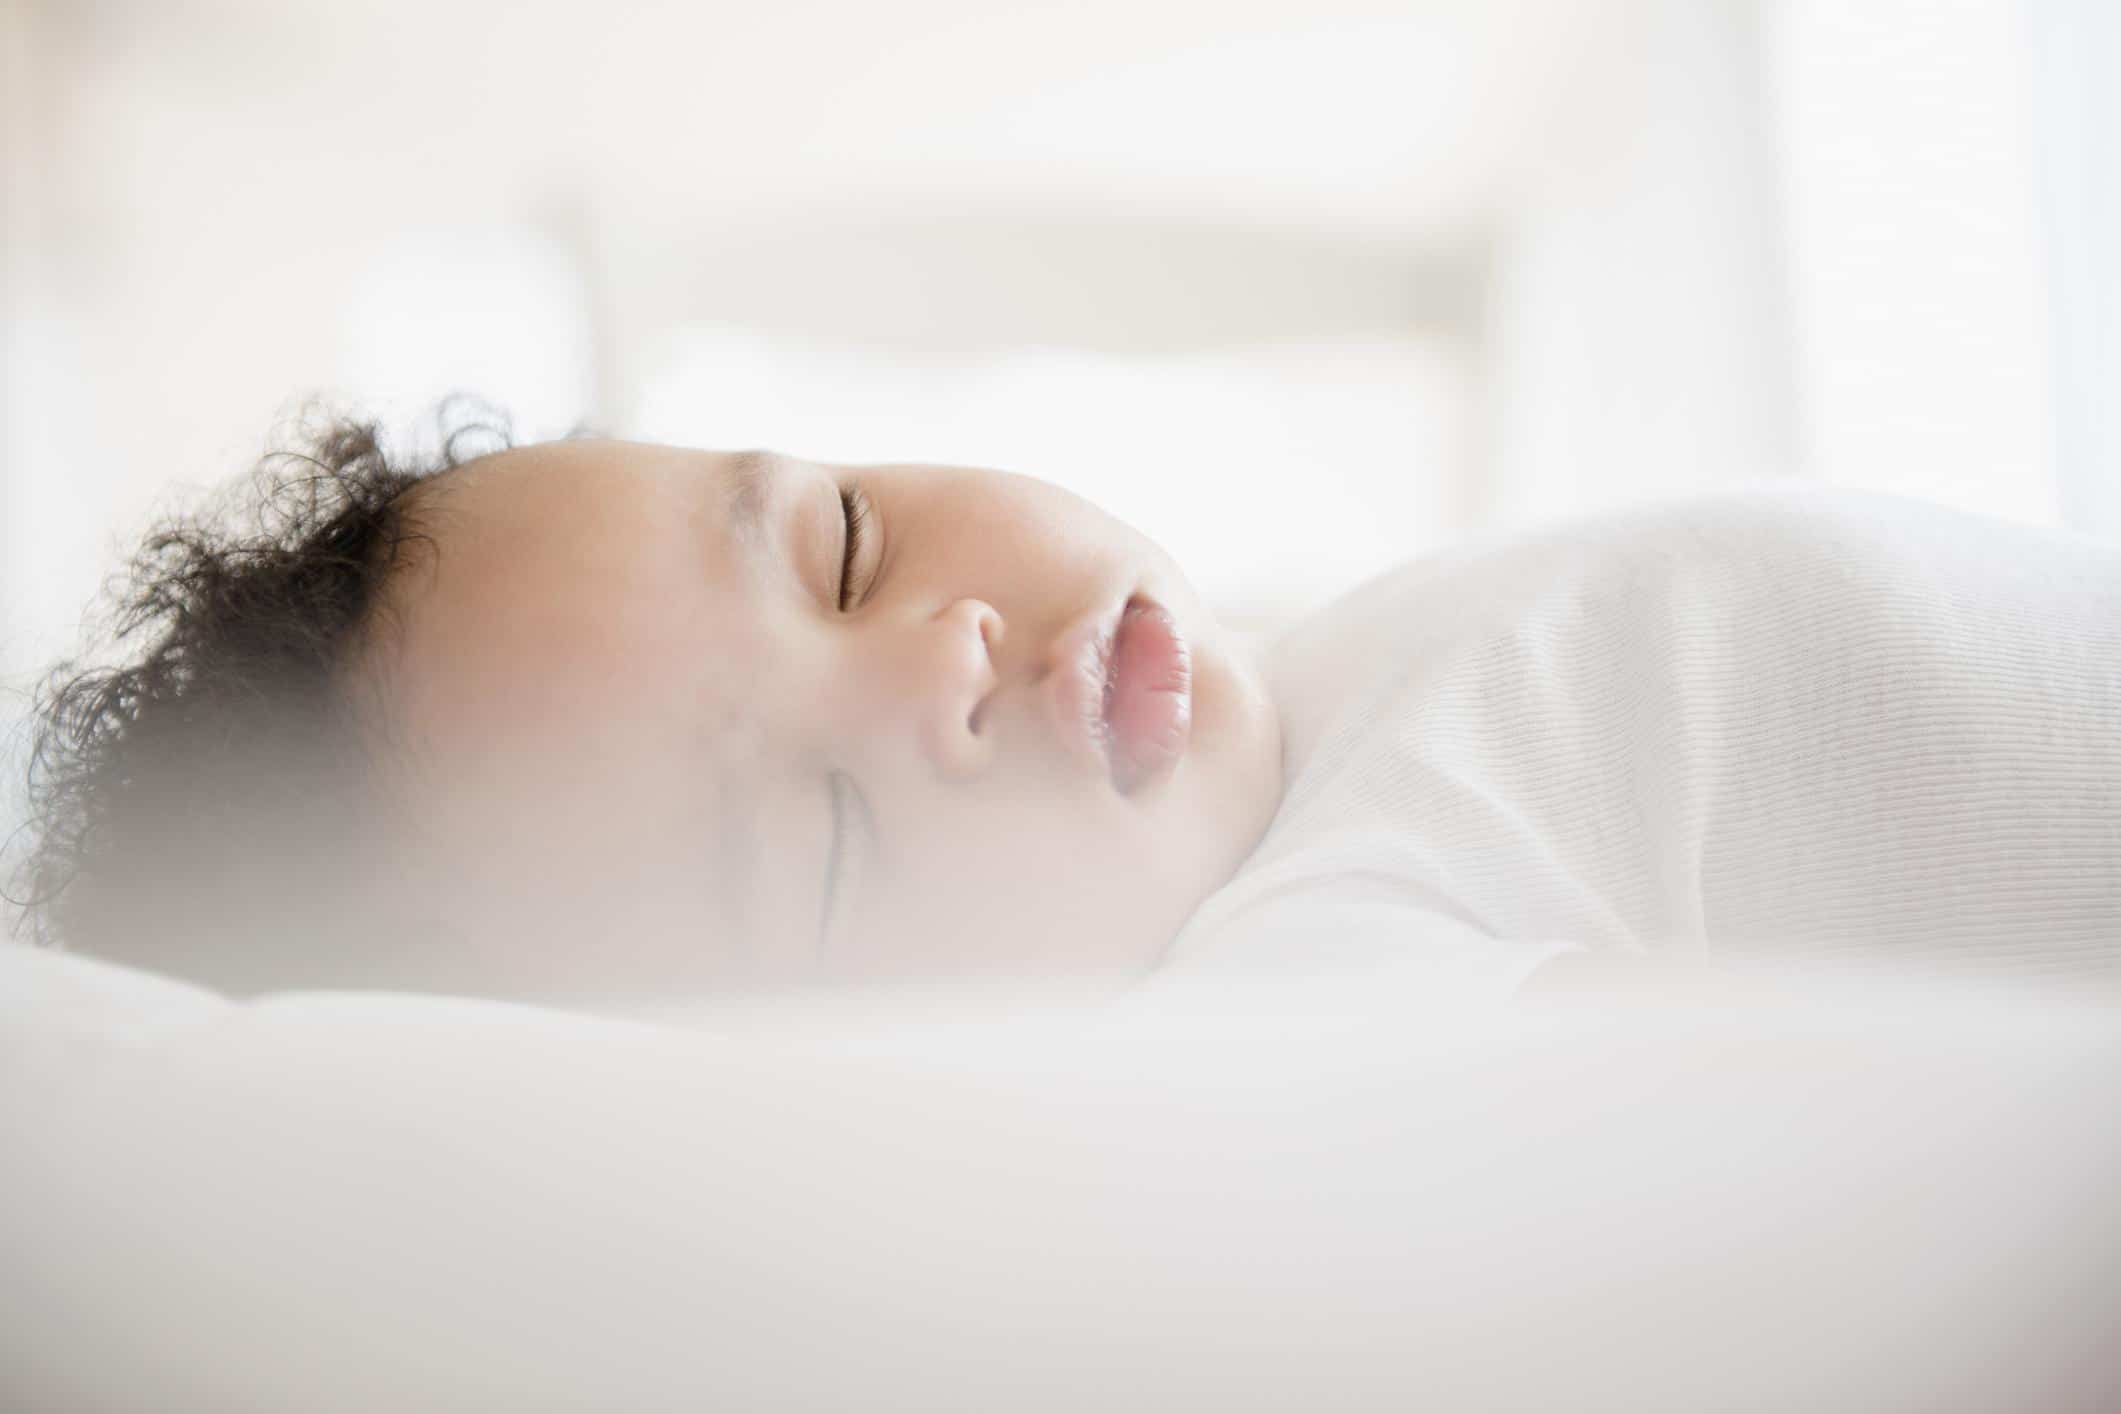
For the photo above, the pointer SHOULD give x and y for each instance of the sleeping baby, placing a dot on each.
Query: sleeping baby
(592, 718)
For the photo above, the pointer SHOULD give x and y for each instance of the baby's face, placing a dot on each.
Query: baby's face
(684, 718)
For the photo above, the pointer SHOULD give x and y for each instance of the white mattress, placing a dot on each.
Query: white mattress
(1190, 1198)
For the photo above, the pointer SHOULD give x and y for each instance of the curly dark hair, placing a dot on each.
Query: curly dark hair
(184, 793)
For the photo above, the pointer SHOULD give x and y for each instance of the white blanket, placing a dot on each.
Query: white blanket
(1786, 725)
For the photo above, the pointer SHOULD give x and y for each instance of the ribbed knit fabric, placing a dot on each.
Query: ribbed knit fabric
(1782, 723)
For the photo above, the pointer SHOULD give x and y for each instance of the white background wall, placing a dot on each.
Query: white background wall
(1302, 285)
(218, 205)
(2075, 115)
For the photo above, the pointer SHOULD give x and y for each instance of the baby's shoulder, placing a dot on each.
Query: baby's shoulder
(1714, 555)
(1766, 529)
(1606, 565)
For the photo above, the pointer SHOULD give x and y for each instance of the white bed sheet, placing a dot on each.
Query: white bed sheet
(1196, 1198)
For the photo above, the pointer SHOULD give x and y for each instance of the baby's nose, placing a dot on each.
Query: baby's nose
(959, 678)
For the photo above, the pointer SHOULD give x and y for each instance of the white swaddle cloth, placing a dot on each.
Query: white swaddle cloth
(1786, 724)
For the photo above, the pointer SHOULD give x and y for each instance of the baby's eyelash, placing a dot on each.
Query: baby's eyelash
(854, 511)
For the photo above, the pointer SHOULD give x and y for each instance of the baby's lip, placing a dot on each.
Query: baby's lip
(1120, 694)
(1076, 679)
(1148, 696)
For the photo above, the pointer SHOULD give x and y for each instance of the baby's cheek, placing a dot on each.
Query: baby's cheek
(1029, 888)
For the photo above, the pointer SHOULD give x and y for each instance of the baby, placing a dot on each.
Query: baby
(601, 718)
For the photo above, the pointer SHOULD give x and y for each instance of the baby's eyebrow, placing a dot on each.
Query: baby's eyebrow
(750, 485)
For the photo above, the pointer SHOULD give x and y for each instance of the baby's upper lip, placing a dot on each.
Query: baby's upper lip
(1077, 679)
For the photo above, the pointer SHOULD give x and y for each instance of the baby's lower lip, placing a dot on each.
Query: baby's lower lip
(1148, 697)
(1121, 693)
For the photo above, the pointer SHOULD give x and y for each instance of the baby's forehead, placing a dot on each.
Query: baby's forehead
(566, 626)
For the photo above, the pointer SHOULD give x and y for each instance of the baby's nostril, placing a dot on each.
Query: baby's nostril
(972, 720)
